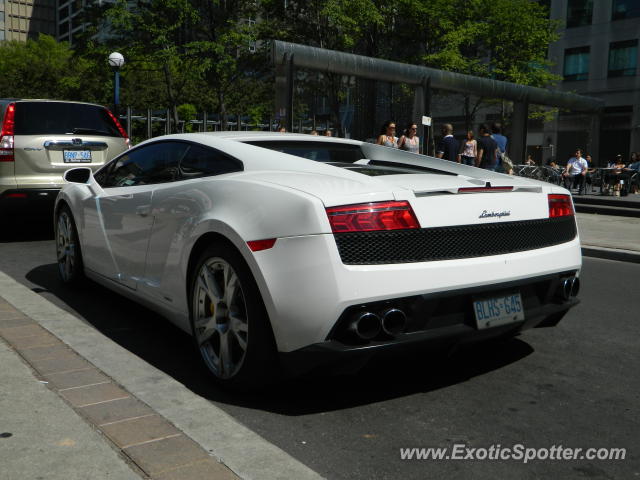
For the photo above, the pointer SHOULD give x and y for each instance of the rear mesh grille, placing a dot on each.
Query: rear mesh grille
(447, 243)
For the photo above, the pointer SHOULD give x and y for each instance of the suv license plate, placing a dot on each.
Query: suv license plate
(76, 156)
(491, 312)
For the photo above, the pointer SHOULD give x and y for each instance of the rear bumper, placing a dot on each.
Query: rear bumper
(21, 201)
(306, 287)
(341, 356)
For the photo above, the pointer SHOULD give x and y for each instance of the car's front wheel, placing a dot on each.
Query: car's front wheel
(68, 252)
(229, 321)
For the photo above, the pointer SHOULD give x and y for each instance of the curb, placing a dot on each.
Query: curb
(230, 443)
(617, 211)
(611, 254)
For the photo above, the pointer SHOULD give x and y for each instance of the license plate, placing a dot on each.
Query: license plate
(76, 156)
(491, 312)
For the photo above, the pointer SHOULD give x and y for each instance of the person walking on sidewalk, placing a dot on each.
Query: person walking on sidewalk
(469, 150)
(576, 172)
(501, 140)
(387, 135)
(410, 141)
(487, 150)
(448, 147)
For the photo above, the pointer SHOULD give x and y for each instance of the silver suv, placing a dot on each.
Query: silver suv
(41, 139)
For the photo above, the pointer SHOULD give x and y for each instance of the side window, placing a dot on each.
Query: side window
(204, 162)
(155, 163)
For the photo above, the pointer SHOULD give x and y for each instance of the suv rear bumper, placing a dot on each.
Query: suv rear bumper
(20, 201)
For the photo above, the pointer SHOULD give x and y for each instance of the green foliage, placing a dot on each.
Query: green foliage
(203, 52)
(39, 68)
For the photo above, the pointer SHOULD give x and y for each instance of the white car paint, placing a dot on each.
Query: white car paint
(138, 240)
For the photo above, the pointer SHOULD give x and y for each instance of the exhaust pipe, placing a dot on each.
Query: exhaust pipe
(570, 287)
(365, 325)
(393, 321)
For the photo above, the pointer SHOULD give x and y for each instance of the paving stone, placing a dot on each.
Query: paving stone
(39, 353)
(76, 378)
(8, 315)
(83, 396)
(6, 306)
(138, 430)
(15, 321)
(155, 457)
(115, 411)
(41, 340)
(62, 362)
(12, 333)
(204, 470)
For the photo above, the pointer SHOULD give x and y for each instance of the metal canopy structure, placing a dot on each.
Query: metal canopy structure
(287, 56)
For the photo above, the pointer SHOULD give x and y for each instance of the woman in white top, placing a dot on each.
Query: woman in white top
(387, 136)
(469, 150)
(410, 141)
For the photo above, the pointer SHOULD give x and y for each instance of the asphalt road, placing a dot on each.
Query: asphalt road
(576, 385)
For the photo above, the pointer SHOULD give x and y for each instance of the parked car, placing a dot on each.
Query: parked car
(285, 250)
(41, 139)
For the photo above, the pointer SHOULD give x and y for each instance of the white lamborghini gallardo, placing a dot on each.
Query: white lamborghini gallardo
(289, 250)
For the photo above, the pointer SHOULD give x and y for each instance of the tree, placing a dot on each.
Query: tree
(503, 40)
(41, 68)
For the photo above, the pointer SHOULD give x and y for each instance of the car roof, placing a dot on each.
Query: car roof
(278, 136)
(9, 100)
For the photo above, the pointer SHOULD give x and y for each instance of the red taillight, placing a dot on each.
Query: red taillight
(368, 217)
(560, 205)
(122, 131)
(6, 134)
(257, 245)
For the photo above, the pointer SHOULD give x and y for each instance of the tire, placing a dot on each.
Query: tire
(229, 322)
(68, 252)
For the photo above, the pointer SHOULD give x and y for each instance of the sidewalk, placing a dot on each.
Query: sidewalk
(120, 417)
(610, 237)
(65, 419)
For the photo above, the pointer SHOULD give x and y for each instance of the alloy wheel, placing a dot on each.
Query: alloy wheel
(220, 318)
(66, 247)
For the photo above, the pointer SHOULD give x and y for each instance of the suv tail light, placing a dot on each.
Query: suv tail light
(560, 205)
(122, 131)
(6, 134)
(367, 217)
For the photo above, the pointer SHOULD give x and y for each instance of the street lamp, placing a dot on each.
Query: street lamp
(116, 60)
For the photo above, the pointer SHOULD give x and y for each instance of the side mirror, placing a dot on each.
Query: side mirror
(78, 175)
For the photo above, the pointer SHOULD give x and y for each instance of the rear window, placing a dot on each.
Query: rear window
(318, 151)
(58, 118)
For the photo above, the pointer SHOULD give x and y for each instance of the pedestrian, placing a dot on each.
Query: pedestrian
(282, 129)
(590, 172)
(487, 150)
(469, 150)
(410, 140)
(314, 132)
(618, 176)
(530, 161)
(501, 140)
(387, 135)
(575, 172)
(448, 147)
(327, 133)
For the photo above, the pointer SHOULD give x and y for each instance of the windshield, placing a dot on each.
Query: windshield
(317, 151)
(348, 156)
(59, 118)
